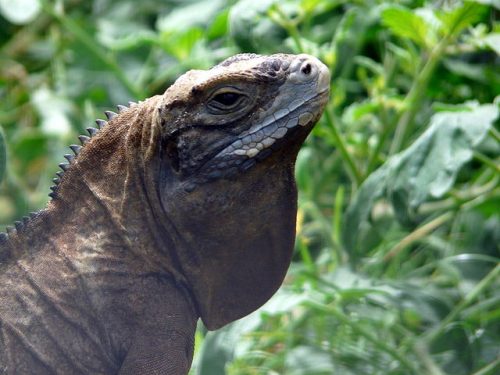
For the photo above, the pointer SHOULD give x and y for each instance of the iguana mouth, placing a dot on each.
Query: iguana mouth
(275, 127)
(252, 147)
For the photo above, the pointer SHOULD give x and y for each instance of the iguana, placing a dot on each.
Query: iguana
(179, 207)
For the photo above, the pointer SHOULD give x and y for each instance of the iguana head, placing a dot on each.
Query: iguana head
(229, 140)
(221, 122)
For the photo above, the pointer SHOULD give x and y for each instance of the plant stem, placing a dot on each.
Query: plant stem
(311, 208)
(306, 255)
(426, 359)
(289, 25)
(467, 200)
(340, 255)
(414, 98)
(469, 298)
(494, 134)
(401, 357)
(388, 127)
(337, 215)
(417, 234)
(486, 160)
(489, 368)
(340, 143)
(3, 153)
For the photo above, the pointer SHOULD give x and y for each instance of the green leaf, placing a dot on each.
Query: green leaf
(461, 17)
(120, 35)
(54, 110)
(406, 24)
(198, 14)
(3, 154)
(356, 111)
(251, 28)
(425, 170)
(219, 26)
(302, 166)
(180, 44)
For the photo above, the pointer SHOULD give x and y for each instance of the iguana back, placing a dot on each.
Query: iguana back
(179, 207)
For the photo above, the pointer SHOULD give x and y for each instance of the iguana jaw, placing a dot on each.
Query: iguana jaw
(274, 132)
(254, 147)
(273, 128)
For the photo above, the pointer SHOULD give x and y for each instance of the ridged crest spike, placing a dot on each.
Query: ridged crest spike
(52, 195)
(64, 166)
(26, 219)
(101, 123)
(10, 230)
(130, 104)
(60, 174)
(84, 139)
(53, 188)
(121, 108)
(56, 180)
(70, 158)
(75, 148)
(110, 114)
(19, 226)
(92, 131)
(3, 237)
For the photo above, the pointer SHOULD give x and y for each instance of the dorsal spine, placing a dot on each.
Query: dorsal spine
(21, 225)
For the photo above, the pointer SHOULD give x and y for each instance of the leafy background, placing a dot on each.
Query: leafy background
(396, 261)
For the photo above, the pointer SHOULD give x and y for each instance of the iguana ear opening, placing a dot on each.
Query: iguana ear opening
(172, 154)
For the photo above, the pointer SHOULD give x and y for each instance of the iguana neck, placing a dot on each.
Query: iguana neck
(107, 197)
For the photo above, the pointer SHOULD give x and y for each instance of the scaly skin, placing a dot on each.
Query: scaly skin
(181, 207)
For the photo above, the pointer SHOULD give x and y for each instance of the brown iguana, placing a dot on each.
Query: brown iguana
(179, 207)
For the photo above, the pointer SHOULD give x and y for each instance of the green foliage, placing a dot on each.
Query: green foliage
(3, 154)
(396, 262)
(460, 17)
(406, 24)
(425, 170)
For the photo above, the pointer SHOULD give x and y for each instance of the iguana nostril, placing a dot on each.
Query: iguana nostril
(306, 69)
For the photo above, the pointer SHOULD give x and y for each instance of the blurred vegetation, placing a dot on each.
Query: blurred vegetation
(396, 265)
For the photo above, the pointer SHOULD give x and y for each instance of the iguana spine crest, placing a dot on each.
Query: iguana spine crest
(20, 225)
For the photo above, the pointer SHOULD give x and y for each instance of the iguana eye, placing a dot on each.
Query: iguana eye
(226, 101)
